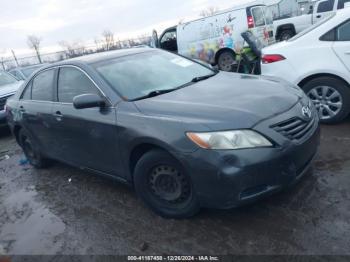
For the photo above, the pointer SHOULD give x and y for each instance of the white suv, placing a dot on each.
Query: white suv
(318, 60)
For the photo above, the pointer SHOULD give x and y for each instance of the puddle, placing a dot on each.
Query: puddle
(31, 228)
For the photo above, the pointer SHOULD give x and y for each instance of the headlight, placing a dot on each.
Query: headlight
(237, 139)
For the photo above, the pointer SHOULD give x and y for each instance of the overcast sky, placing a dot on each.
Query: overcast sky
(84, 20)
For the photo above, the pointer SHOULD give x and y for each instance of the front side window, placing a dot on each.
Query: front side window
(71, 83)
(343, 32)
(326, 6)
(6, 79)
(258, 15)
(137, 75)
(42, 87)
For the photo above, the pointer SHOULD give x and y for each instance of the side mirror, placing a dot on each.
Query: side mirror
(88, 101)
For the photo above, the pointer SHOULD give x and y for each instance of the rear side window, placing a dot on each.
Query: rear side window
(42, 87)
(258, 16)
(330, 36)
(343, 32)
(341, 3)
(325, 6)
(72, 82)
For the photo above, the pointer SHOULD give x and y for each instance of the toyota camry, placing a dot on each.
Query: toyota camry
(182, 134)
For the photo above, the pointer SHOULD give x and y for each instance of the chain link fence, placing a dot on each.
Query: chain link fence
(71, 51)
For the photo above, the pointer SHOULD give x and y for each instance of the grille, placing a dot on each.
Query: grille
(295, 128)
(3, 102)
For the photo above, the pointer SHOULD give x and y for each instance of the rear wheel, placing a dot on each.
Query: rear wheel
(285, 35)
(331, 97)
(163, 185)
(31, 151)
(226, 61)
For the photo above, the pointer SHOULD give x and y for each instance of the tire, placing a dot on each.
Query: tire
(331, 97)
(226, 60)
(285, 35)
(31, 151)
(161, 182)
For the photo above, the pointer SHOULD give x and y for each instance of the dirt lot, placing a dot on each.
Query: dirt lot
(63, 210)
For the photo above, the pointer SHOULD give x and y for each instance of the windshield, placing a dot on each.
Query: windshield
(27, 72)
(138, 75)
(6, 79)
(306, 31)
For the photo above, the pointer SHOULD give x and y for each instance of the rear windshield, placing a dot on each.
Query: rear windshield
(306, 31)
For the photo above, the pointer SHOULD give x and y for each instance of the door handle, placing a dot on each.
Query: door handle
(318, 16)
(21, 109)
(58, 115)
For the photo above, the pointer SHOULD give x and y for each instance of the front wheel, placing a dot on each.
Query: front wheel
(331, 98)
(162, 183)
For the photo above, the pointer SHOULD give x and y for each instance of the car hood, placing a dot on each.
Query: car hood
(225, 101)
(6, 90)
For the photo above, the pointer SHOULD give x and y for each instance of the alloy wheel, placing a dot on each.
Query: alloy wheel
(327, 100)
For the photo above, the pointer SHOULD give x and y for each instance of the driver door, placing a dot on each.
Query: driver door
(84, 137)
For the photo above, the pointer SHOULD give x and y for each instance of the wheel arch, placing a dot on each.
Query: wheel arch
(16, 130)
(222, 50)
(140, 149)
(283, 27)
(303, 82)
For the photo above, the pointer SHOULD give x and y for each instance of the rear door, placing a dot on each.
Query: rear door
(84, 137)
(342, 44)
(35, 107)
(323, 9)
(260, 29)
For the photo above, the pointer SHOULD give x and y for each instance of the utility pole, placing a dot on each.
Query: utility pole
(14, 56)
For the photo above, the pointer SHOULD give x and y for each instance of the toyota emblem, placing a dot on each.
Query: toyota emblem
(306, 111)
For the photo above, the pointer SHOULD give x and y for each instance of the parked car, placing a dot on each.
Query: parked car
(8, 87)
(185, 136)
(22, 73)
(318, 60)
(286, 28)
(214, 39)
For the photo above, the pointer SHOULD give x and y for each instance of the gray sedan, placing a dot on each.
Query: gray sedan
(183, 135)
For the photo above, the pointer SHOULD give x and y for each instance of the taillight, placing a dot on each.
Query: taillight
(251, 22)
(268, 59)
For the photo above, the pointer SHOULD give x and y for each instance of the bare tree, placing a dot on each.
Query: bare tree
(108, 39)
(34, 43)
(212, 10)
(73, 49)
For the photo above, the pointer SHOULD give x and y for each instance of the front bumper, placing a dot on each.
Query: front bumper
(226, 179)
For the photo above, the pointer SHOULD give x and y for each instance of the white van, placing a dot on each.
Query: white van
(215, 39)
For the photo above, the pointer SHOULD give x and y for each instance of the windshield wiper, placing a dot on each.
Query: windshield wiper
(155, 93)
(201, 78)
(161, 92)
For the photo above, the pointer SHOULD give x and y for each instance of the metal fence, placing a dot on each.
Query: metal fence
(71, 52)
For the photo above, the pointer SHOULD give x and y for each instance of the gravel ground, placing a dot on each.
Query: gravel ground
(63, 210)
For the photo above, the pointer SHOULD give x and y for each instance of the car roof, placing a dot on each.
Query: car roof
(97, 57)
